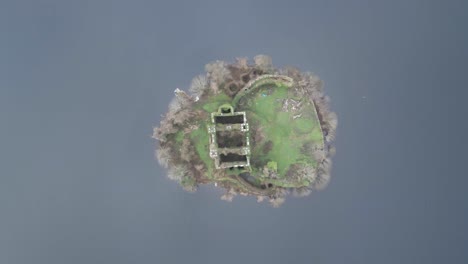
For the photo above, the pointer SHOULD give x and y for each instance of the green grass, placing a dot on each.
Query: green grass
(188, 181)
(263, 106)
(179, 137)
(200, 138)
(287, 134)
(215, 102)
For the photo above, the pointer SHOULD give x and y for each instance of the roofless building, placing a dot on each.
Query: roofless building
(229, 138)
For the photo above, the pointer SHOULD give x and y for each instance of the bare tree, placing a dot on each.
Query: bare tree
(319, 154)
(177, 172)
(323, 175)
(302, 191)
(269, 173)
(157, 134)
(229, 195)
(175, 105)
(180, 101)
(326, 165)
(282, 192)
(307, 172)
(217, 71)
(189, 183)
(184, 99)
(292, 72)
(163, 154)
(201, 168)
(190, 188)
(165, 128)
(187, 151)
(242, 62)
(331, 151)
(183, 116)
(311, 82)
(331, 122)
(277, 202)
(321, 181)
(330, 137)
(199, 85)
(179, 113)
(320, 103)
(264, 62)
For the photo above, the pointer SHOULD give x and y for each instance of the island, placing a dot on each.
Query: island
(251, 129)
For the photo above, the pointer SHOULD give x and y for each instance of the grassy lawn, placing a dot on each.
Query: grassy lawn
(179, 137)
(200, 138)
(287, 134)
(215, 102)
(284, 131)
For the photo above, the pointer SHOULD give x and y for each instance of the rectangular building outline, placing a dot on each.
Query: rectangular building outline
(236, 123)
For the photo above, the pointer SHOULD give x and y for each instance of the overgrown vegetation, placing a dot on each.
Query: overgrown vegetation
(291, 130)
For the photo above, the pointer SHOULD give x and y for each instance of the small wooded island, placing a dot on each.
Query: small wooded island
(251, 129)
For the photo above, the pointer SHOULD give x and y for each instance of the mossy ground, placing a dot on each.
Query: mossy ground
(278, 133)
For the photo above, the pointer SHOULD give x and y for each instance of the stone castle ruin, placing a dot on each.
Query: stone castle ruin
(229, 138)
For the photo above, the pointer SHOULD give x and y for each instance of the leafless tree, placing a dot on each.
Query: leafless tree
(187, 152)
(166, 127)
(163, 154)
(229, 195)
(160, 133)
(219, 174)
(307, 172)
(321, 181)
(330, 137)
(183, 116)
(311, 82)
(217, 71)
(175, 105)
(199, 85)
(320, 103)
(323, 175)
(185, 100)
(242, 62)
(177, 172)
(264, 62)
(277, 202)
(180, 100)
(331, 151)
(326, 165)
(302, 191)
(214, 87)
(319, 154)
(331, 122)
(190, 188)
(201, 168)
(328, 119)
(292, 72)
(157, 134)
(179, 113)
(269, 173)
(282, 192)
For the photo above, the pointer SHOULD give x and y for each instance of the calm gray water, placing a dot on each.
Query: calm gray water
(83, 82)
